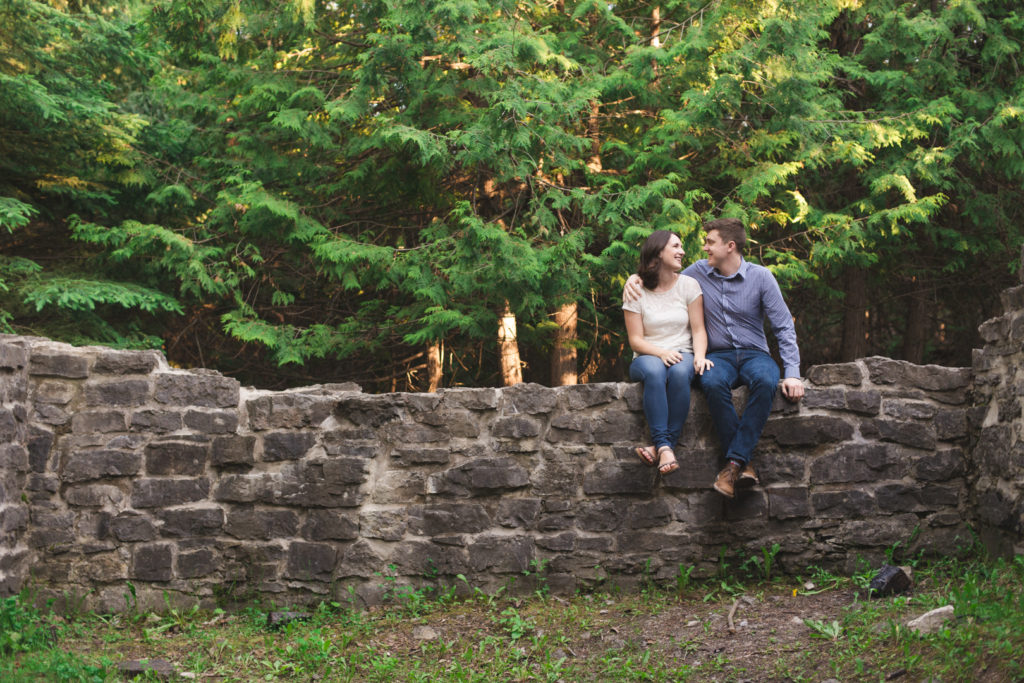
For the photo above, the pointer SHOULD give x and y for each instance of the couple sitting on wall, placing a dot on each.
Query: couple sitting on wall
(708, 321)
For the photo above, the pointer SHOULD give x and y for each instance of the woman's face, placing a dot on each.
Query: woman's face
(672, 254)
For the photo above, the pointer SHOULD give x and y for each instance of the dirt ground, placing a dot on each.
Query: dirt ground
(743, 638)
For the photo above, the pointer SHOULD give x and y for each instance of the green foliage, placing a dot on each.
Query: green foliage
(20, 627)
(322, 190)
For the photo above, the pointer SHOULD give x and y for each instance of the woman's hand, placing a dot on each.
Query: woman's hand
(670, 358)
(700, 364)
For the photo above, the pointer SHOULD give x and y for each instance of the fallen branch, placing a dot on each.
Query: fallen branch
(732, 612)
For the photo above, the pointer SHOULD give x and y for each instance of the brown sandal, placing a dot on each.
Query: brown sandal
(670, 466)
(644, 453)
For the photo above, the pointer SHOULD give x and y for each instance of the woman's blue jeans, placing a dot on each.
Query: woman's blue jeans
(754, 368)
(666, 395)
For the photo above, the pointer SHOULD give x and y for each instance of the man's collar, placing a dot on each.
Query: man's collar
(741, 272)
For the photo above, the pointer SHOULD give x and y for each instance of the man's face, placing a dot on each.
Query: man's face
(716, 249)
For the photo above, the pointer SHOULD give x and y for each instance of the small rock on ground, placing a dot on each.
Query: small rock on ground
(931, 622)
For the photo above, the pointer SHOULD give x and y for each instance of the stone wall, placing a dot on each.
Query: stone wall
(14, 437)
(997, 458)
(184, 482)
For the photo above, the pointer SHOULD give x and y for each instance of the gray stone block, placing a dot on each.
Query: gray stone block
(837, 373)
(519, 513)
(618, 479)
(556, 476)
(516, 427)
(13, 458)
(502, 554)
(828, 399)
(423, 558)
(127, 362)
(908, 433)
(194, 564)
(102, 421)
(310, 561)
(314, 486)
(370, 411)
(571, 428)
(435, 520)
(842, 504)
(420, 455)
(580, 396)
(386, 525)
(951, 424)
(85, 465)
(289, 411)
(93, 495)
(487, 475)
(598, 516)
(70, 365)
(191, 522)
(279, 446)
(176, 457)
(360, 442)
(131, 527)
(255, 524)
(471, 399)
(403, 434)
(207, 390)
(812, 430)
(232, 450)
(59, 392)
(941, 465)
(40, 446)
(928, 377)
(881, 532)
(863, 402)
(212, 421)
(788, 503)
(12, 356)
(611, 426)
(360, 559)
(858, 462)
(156, 421)
(152, 562)
(649, 514)
(149, 493)
(331, 525)
(529, 398)
(126, 392)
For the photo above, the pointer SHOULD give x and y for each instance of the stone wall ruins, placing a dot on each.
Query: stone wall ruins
(997, 458)
(117, 468)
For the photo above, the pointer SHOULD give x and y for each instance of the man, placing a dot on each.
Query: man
(738, 297)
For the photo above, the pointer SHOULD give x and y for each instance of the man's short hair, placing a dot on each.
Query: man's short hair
(730, 230)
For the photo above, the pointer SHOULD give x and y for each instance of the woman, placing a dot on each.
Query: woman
(666, 332)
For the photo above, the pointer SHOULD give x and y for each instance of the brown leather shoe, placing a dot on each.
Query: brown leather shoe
(748, 477)
(725, 482)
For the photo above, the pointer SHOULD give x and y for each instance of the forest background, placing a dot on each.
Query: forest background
(416, 194)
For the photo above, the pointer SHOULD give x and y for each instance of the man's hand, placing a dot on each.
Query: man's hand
(702, 364)
(633, 289)
(793, 388)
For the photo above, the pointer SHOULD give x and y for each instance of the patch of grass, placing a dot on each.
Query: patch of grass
(676, 631)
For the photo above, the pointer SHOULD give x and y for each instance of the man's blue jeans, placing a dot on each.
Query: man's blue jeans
(756, 369)
(666, 395)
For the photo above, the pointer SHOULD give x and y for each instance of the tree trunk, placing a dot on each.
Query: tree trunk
(434, 366)
(855, 342)
(511, 369)
(594, 131)
(916, 333)
(563, 354)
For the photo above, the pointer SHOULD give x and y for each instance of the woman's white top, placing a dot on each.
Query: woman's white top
(665, 315)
